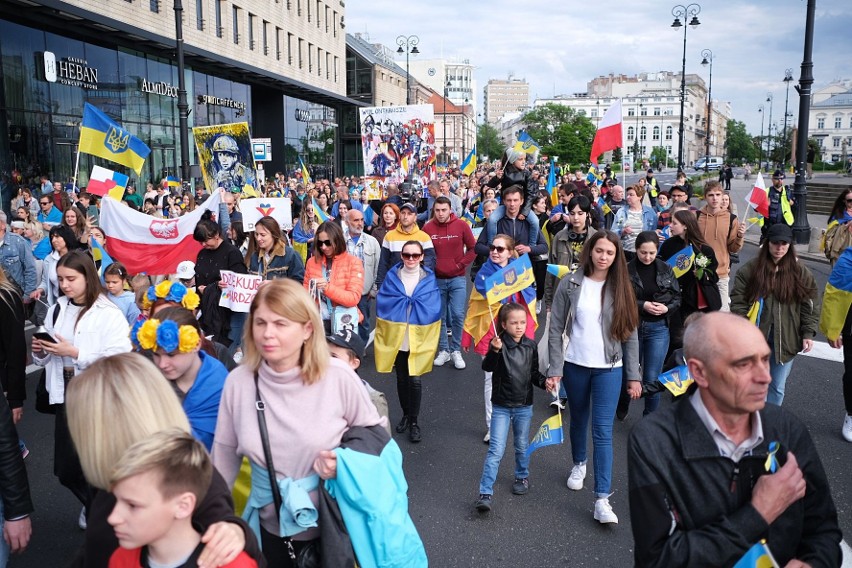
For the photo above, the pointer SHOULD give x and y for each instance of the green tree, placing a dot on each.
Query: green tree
(488, 142)
(740, 146)
(561, 131)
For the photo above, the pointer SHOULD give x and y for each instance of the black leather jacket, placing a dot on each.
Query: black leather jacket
(14, 487)
(515, 371)
(523, 178)
(669, 293)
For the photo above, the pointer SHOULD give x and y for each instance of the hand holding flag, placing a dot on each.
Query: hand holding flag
(549, 433)
(758, 199)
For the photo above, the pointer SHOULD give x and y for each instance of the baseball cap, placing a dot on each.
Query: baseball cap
(778, 174)
(186, 270)
(348, 339)
(779, 232)
(409, 206)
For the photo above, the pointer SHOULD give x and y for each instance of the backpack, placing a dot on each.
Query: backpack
(836, 240)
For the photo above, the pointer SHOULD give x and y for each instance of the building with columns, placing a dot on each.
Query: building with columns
(830, 122)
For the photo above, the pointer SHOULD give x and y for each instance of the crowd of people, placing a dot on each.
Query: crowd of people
(205, 401)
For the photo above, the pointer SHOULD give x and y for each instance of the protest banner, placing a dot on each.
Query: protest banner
(278, 208)
(226, 156)
(239, 290)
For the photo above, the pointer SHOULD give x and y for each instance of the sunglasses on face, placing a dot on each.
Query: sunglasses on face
(411, 255)
(325, 243)
(849, 201)
(45, 202)
(498, 248)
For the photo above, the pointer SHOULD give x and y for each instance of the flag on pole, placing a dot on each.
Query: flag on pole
(558, 270)
(551, 184)
(100, 254)
(100, 136)
(549, 434)
(758, 556)
(147, 244)
(107, 182)
(677, 380)
(172, 181)
(681, 261)
(608, 136)
(526, 144)
(469, 164)
(514, 277)
(306, 177)
(758, 199)
(321, 215)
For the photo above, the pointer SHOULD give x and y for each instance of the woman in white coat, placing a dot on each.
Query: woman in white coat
(86, 326)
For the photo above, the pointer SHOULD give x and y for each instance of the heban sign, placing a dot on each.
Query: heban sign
(71, 71)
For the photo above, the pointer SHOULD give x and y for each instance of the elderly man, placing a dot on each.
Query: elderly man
(16, 258)
(368, 250)
(720, 469)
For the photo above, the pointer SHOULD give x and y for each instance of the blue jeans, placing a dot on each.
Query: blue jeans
(779, 373)
(499, 213)
(235, 331)
(501, 417)
(653, 346)
(593, 392)
(364, 326)
(453, 304)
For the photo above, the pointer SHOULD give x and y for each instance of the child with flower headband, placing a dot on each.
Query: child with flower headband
(188, 361)
(169, 293)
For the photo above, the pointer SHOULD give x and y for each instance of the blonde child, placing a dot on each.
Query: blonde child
(115, 280)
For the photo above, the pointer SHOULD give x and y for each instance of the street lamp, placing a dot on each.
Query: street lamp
(182, 103)
(407, 44)
(769, 130)
(446, 94)
(760, 163)
(464, 130)
(801, 227)
(642, 140)
(636, 139)
(788, 78)
(685, 12)
(707, 59)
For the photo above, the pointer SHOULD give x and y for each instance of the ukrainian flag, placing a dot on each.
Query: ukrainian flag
(513, 278)
(558, 270)
(755, 311)
(306, 177)
(172, 181)
(549, 433)
(526, 144)
(469, 164)
(397, 313)
(838, 297)
(677, 380)
(100, 254)
(101, 137)
(321, 215)
(551, 184)
(681, 261)
(758, 556)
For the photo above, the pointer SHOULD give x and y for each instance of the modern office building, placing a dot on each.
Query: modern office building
(277, 64)
(502, 96)
(450, 77)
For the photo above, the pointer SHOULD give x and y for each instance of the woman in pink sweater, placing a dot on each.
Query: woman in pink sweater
(310, 400)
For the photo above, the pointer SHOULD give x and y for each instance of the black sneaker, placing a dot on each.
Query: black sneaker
(521, 486)
(414, 433)
(483, 505)
(402, 426)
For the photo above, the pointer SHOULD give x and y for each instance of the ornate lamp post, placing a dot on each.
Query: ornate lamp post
(407, 45)
(788, 78)
(685, 12)
(707, 58)
(769, 131)
(760, 163)
(182, 103)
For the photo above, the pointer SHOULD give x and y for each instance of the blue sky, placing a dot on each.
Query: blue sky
(560, 46)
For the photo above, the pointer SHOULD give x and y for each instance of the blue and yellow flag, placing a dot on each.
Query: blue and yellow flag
(172, 181)
(526, 144)
(306, 177)
(558, 270)
(755, 311)
(100, 254)
(549, 433)
(758, 556)
(681, 261)
(418, 314)
(837, 297)
(469, 164)
(677, 380)
(551, 184)
(514, 277)
(101, 137)
(321, 215)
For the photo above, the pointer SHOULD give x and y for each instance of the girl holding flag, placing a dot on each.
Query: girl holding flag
(480, 323)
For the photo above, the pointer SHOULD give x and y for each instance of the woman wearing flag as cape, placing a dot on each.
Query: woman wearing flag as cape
(480, 324)
(408, 324)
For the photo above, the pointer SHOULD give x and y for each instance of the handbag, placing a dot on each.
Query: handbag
(309, 555)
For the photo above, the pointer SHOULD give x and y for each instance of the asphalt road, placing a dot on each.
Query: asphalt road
(550, 526)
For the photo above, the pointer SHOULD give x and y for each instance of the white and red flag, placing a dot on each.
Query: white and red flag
(608, 136)
(759, 197)
(148, 244)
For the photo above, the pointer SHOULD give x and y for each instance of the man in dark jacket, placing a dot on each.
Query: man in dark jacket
(520, 231)
(720, 470)
(15, 502)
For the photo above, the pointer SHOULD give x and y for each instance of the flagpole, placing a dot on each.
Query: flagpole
(76, 170)
(491, 314)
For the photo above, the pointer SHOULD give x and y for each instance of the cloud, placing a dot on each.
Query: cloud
(560, 46)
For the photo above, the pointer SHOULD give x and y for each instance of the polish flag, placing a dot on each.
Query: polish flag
(759, 197)
(146, 244)
(608, 136)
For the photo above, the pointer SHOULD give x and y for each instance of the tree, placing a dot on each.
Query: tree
(488, 142)
(561, 131)
(741, 147)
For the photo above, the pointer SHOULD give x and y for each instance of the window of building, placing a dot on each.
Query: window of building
(235, 15)
(309, 9)
(301, 53)
(265, 37)
(835, 142)
(251, 31)
(656, 111)
(220, 30)
(334, 24)
(643, 133)
(319, 61)
(335, 68)
(310, 57)
(298, 7)
(289, 48)
(630, 133)
(643, 111)
(850, 122)
(837, 121)
(199, 14)
(631, 111)
(278, 32)
(669, 132)
(319, 11)
(656, 133)
(327, 10)
(820, 123)
(327, 65)
(289, 4)
(819, 142)
(155, 5)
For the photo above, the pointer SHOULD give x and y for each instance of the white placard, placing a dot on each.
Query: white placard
(239, 290)
(278, 208)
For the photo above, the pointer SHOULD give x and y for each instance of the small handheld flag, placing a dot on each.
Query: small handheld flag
(469, 164)
(755, 311)
(758, 556)
(559, 270)
(514, 277)
(758, 199)
(107, 182)
(677, 380)
(608, 135)
(306, 177)
(551, 184)
(526, 144)
(549, 433)
(321, 215)
(172, 181)
(681, 261)
(99, 253)
(771, 464)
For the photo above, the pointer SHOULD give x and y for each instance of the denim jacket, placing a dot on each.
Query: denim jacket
(17, 261)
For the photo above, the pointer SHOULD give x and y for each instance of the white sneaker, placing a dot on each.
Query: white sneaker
(81, 520)
(603, 512)
(458, 362)
(443, 357)
(487, 438)
(575, 480)
(847, 428)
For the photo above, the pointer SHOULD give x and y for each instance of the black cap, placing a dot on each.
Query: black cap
(409, 206)
(778, 174)
(348, 339)
(650, 170)
(779, 232)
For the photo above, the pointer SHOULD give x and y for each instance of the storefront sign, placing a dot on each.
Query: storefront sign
(162, 88)
(322, 114)
(219, 101)
(71, 71)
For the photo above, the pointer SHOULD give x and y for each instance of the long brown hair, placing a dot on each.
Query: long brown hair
(274, 229)
(783, 281)
(335, 234)
(692, 235)
(80, 261)
(625, 317)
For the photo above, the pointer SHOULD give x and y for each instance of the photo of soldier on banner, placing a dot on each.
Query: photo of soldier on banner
(226, 157)
(398, 142)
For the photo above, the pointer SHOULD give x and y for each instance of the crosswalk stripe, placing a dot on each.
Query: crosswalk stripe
(823, 350)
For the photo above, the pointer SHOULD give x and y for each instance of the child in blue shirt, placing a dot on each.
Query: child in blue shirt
(115, 278)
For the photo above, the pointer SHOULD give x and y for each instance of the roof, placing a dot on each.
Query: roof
(840, 99)
(372, 53)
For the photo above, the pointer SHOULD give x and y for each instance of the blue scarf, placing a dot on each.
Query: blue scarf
(201, 403)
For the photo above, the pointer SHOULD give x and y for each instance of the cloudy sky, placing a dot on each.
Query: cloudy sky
(558, 46)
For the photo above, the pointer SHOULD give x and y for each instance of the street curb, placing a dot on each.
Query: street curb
(801, 250)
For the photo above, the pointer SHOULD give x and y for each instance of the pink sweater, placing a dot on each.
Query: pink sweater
(302, 420)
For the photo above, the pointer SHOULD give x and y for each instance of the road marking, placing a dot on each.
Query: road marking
(823, 350)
